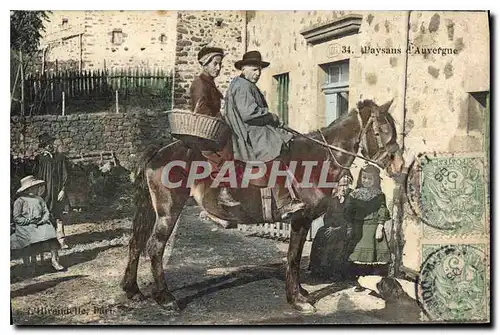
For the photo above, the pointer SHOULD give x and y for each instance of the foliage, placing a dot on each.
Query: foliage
(26, 28)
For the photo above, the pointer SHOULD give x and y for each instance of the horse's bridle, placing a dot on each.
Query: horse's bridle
(384, 149)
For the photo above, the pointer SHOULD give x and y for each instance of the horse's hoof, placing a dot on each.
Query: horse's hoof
(304, 307)
(132, 292)
(303, 291)
(166, 300)
(136, 296)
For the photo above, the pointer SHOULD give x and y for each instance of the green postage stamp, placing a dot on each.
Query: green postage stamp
(453, 284)
(453, 194)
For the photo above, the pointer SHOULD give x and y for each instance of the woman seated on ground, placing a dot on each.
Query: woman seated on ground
(328, 251)
(366, 209)
(33, 231)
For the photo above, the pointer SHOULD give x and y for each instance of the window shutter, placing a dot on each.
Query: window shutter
(282, 87)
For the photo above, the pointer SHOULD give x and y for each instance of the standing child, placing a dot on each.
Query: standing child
(33, 229)
(367, 211)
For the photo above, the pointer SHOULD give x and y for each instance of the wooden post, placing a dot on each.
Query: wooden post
(63, 103)
(80, 63)
(43, 59)
(22, 81)
(116, 99)
(396, 242)
(15, 84)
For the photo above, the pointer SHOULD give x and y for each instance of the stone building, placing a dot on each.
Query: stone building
(169, 40)
(114, 39)
(435, 65)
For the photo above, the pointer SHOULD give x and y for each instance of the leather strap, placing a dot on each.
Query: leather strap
(266, 197)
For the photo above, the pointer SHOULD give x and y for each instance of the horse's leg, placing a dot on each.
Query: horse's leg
(143, 223)
(295, 294)
(129, 281)
(168, 205)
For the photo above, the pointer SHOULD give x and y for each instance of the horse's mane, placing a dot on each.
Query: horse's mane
(339, 123)
(336, 123)
(366, 103)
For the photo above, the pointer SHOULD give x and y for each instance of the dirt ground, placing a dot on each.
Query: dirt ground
(220, 276)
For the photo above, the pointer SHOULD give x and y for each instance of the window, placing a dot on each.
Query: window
(336, 90)
(282, 85)
(163, 38)
(338, 73)
(64, 23)
(117, 36)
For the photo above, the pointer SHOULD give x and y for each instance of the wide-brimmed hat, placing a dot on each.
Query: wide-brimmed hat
(207, 53)
(28, 182)
(45, 139)
(251, 58)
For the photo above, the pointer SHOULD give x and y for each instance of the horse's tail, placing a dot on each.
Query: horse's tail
(144, 216)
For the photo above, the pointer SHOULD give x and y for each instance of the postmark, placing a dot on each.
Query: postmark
(453, 284)
(448, 192)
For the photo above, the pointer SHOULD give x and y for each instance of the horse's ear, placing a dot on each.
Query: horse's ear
(385, 107)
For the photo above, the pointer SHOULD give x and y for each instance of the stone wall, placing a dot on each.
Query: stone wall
(224, 29)
(125, 134)
(442, 114)
(276, 34)
(142, 44)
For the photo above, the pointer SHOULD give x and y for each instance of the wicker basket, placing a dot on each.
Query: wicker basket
(200, 131)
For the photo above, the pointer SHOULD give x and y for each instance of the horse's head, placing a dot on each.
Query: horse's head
(378, 136)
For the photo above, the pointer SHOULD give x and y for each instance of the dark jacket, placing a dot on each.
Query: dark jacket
(204, 92)
(247, 113)
(53, 169)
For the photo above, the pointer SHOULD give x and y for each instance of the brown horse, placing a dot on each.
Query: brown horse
(370, 128)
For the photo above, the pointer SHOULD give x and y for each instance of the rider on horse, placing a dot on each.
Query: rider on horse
(256, 131)
(206, 99)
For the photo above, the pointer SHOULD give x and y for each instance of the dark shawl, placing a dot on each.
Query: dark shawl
(54, 170)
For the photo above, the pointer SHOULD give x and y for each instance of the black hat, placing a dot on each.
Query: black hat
(209, 50)
(45, 139)
(251, 58)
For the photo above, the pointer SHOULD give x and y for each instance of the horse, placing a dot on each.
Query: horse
(368, 127)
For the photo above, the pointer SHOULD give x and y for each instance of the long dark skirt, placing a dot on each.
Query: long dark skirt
(328, 254)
